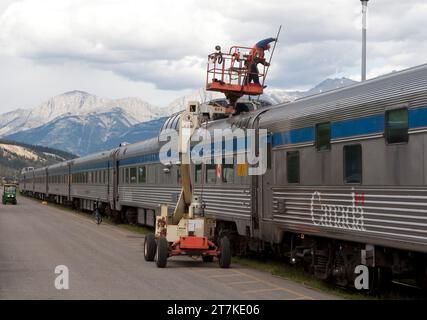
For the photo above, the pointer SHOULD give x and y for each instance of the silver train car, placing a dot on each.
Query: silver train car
(346, 181)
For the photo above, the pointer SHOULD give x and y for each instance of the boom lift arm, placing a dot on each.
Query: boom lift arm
(187, 231)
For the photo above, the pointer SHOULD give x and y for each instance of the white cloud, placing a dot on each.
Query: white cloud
(161, 46)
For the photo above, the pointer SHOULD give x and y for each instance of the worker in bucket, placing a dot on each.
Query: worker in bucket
(255, 57)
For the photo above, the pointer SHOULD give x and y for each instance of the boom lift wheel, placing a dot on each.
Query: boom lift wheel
(150, 247)
(225, 255)
(162, 252)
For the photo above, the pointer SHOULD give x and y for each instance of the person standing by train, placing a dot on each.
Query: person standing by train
(255, 57)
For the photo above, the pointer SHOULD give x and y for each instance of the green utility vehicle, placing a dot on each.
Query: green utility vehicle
(9, 194)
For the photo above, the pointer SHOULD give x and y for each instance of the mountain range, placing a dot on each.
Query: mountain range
(82, 123)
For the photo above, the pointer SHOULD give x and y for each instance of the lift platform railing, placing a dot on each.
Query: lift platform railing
(229, 72)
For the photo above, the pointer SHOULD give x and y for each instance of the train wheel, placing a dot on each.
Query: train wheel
(150, 247)
(131, 216)
(115, 216)
(162, 252)
(225, 255)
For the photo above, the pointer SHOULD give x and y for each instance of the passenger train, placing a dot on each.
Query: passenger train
(346, 181)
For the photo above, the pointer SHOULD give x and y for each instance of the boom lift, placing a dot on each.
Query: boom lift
(187, 231)
(229, 73)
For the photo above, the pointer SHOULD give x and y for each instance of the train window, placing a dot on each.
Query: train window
(396, 125)
(142, 175)
(292, 166)
(323, 136)
(126, 175)
(211, 173)
(228, 173)
(353, 164)
(132, 175)
(198, 175)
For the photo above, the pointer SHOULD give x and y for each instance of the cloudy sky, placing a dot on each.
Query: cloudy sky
(156, 50)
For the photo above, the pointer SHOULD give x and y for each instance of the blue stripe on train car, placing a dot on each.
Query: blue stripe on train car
(91, 166)
(349, 128)
(147, 158)
(357, 127)
(418, 117)
(293, 136)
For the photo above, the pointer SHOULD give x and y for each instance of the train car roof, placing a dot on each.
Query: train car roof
(39, 170)
(139, 148)
(368, 96)
(94, 157)
(59, 165)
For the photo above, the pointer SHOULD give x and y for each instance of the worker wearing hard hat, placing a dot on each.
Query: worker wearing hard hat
(256, 56)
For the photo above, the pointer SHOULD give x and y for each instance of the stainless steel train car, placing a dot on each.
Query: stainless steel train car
(346, 181)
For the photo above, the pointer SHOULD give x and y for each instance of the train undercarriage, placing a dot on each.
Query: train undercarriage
(327, 259)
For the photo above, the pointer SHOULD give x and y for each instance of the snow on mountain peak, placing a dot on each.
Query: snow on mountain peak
(78, 103)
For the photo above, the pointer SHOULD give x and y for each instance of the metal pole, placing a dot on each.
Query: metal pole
(364, 12)
(271, 56)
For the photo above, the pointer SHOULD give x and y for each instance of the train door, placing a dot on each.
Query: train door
(115, 179)
(257, 193)
(69, 181)
(47, 183)
(266, 182)
(108, 178)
